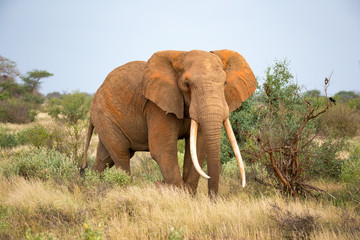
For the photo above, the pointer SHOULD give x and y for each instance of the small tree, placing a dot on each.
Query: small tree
(8, 73)
(284, 129)
(8, 70)
(71, 109)
(32, 80)
(19, 101)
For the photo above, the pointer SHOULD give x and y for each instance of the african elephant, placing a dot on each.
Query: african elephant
(145, 106)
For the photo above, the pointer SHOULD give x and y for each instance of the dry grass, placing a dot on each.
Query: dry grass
(148, 212)
(330, 186)
(41, 118)
(35, 209)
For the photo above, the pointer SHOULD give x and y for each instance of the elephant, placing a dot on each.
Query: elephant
(148, 106)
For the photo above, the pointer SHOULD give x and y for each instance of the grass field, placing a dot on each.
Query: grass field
(52, 202)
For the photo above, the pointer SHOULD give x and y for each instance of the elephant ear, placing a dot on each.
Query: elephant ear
(160, 81)
(241, 82)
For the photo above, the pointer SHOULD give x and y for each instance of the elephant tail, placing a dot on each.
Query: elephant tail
(87, 143)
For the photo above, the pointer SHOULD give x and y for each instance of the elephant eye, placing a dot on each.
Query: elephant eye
(184, 85)
(186, 81)
(225, 83)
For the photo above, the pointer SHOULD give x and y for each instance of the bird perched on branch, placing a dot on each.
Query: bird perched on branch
(332, 100)
(326, 81)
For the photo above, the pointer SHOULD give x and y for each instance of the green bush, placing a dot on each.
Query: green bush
(241, 120)
(350, 170)
(350, 175)
(109, 176)
(32, 98)
(72, 109)
(340, 122)
(41, 163)
(92, 178)
(92, 234)
(145, 168)
(7, 140)
(54, 137)
(278, 131)
(325, 160)
(14, 110)
(258, 179)
(354, 103)
(11, 89)
(116, 176)
(37, 136)
(231, 169)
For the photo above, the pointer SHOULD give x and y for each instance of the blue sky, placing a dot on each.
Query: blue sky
(80, 41)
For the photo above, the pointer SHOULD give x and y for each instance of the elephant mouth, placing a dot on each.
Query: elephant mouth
(234, 145)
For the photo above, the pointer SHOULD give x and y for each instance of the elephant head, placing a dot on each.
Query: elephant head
(205, 87)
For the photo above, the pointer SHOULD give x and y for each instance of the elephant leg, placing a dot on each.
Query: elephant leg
(118, 149)
(190, 175)
(163, 135)
(103, 158)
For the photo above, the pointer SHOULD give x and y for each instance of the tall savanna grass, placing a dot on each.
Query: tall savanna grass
(42, 196)
(55, 211)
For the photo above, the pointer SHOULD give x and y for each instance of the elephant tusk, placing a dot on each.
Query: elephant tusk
(193, 137)
(235, 147)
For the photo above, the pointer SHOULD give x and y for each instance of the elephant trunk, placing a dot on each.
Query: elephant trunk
(212, 135)
(210, 124)
(211, 119)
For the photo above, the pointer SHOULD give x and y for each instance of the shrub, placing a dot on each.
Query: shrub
(116, 176)
(109, 176)
(32, 98)
(350, 170)
(230, 169)
(354, 103)
(11, 89)
(230, 176)
(7, 140)
(16, 111)
(324, 159)
(92, 234)
(71, 109)
(281, 131)
(92, 178)
(53, 137)
(350, 174)
(41, 163)
(258, 181)
(38, 136)
(242, 119)
(340, 121)
(145, 168)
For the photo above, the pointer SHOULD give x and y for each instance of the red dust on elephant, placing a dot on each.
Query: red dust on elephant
(148, 106)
